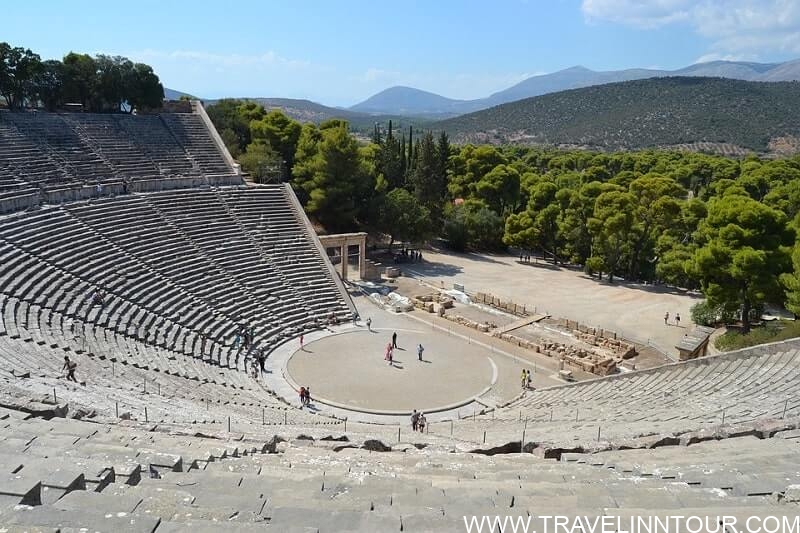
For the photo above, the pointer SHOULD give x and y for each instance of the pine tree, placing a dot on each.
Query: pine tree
(402, 148)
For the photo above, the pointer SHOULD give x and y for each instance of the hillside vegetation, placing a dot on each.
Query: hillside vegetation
(657, 112)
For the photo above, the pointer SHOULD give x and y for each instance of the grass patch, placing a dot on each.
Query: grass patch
(778, 330)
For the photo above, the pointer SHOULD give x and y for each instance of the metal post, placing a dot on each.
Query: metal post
(785, 405)
(55, 399)
(484, 436)
(345, 424)
(159, 389)
(207, 407)
(451, 428)
(723, 417)
(145, 414)
(229, 424)
(576, 415)
(598, 433)
(113, 371)
(473, 414)
(284, 418)
(262, 416)
(551, 415)
(398, 433)
(522, 443)
(116, 408)
(145, 385)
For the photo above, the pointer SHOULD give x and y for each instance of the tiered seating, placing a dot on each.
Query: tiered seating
(177, 268)
(59, 149)
(193, 135)
(759, 383)
(267, 217)
(133, 480)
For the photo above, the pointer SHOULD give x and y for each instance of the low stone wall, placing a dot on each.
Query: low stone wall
(504, 305)
(484, 327)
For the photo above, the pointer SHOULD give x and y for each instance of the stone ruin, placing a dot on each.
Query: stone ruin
(601, 364)
(433, 302)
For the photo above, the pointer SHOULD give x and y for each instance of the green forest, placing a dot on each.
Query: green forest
(724, 226)
(100, 83)
(656, 112)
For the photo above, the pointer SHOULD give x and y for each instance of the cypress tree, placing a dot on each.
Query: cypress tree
(402, 150)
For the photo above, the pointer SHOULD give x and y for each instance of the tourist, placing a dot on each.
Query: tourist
(69, 367)
(529, 379)
(302, 397)
(236, 340)
(677, 319)
(421, 422)
(414, 420)
(355, 319)
(524, 378)
(262, 358)
(308, 395)
(369, 324)
(394, 340)
(301, 342)
(666, 318)
(420, 349)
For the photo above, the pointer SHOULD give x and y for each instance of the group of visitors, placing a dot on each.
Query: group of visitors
(390, 347)
(98, 297)
(305, 396)
(418, 421)
(526, 379)
(406, 256)
(244, 335)
(524, 258)
(677, 319)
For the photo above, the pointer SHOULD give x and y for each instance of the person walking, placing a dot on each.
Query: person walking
(308, 395)
(524, 378)
(70, 367)
(302, 397)
(301, 342)
(369, 324)
(529, 381)
(677, 319)
(420, 349)
(262, 358)
(394, 339)
(421, 422)
(414, 420)
(666, 318)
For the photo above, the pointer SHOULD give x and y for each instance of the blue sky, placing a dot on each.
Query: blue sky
(340, 52)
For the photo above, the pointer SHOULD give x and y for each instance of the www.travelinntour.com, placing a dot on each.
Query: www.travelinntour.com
(779, 523)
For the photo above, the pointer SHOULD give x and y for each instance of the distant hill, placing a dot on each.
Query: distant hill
(172, 94)
(308, 111)
(409, 101)
(657, 112)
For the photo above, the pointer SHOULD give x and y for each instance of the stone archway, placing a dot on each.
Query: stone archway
(343, 241)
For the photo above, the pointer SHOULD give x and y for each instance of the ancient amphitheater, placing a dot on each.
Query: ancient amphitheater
(133, 246)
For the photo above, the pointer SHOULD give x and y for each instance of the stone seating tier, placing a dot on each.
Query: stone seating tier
(131, 479)
(67, 149)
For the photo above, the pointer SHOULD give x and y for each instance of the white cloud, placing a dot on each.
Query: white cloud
(735, 28)
(635, 13)
(266, 59)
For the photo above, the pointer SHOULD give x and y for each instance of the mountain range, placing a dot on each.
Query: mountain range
(407, 101)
